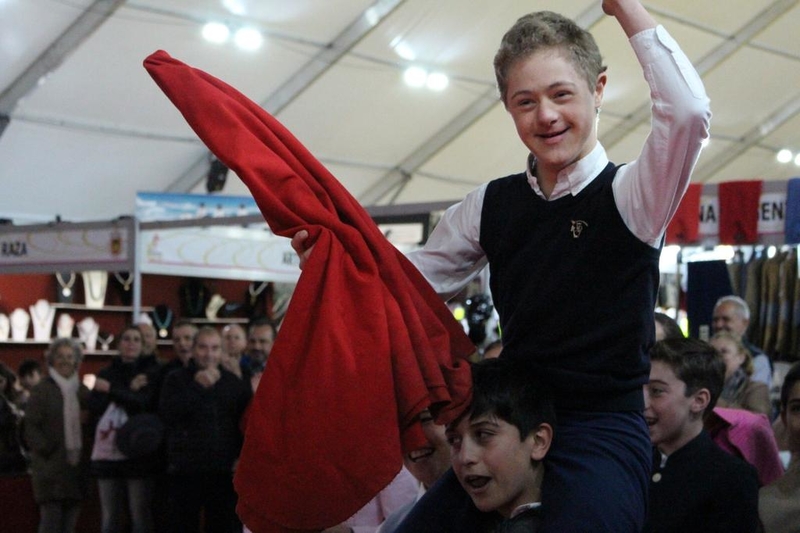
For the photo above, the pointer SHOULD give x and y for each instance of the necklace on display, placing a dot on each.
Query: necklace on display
(105, 342)
(256, 291)
(125, 281)
(162, 324)
(95, 281)
(42, 315)
(66, 286)
(194, 297)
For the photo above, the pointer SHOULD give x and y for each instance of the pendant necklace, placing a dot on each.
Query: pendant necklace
(162, 325)
(45, 322)
(195, 303)
(95, 281)
(105, 342)
(255, 292)
(66, 286)
(125, 281)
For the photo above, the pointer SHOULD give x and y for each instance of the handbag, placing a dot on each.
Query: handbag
(105, 435)
(141, 435)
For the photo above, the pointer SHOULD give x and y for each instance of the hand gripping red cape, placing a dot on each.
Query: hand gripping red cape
(365, 346)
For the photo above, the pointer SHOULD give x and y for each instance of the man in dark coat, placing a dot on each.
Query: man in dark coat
(201, 405)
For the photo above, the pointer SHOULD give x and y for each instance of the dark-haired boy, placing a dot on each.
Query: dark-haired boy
(498, 445)
(695, 485)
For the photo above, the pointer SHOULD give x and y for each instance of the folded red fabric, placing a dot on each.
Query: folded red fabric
(684, 227)
(366, 344)
(738, 211)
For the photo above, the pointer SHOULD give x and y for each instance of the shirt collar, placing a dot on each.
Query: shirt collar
(575, 177)
(524, 507)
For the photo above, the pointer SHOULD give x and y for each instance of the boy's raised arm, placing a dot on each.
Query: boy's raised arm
(631, 14)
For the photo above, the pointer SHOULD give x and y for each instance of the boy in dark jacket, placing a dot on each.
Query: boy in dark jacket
(695, 485)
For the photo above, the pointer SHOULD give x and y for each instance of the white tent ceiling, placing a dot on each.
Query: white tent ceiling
(84, 127)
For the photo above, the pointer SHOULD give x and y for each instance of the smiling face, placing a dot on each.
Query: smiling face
(553, 109)
(64, 361)
(673, 418)
(729, 317)
(430, 463)
(498, 470)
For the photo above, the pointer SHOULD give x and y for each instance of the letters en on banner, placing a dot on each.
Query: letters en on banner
(771, 215)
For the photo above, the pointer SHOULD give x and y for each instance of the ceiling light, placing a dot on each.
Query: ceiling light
(403, 50)
(437, 81)
(372, 16)
(415, 76)
(784, 156)
(216, 32)
(248, 39)
(234, 6)
(797, 160)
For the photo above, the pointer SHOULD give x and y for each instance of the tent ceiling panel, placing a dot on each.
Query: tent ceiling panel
(98, 119)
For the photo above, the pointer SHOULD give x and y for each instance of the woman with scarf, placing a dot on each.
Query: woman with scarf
(739, 391)
(54, 436)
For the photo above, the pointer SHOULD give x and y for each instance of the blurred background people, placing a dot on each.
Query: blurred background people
(732, 314)
(667, 327)
(740, 390)
(123, 483)
(11, 456)
(55, 424)
(779, 503)
(202, 406)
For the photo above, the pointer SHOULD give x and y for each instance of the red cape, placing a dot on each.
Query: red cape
(366, 344)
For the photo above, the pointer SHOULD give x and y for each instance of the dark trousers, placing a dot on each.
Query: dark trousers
(596, 478)
(212, 493)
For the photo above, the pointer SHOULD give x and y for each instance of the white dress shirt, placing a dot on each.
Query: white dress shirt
(647, 190)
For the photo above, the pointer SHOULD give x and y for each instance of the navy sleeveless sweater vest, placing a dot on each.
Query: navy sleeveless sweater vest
(575, 290)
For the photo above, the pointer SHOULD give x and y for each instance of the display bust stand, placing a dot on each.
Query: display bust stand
(43, 316)
(20, 320)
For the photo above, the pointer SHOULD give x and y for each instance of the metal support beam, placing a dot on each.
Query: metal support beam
(303, 78)
(88, 21)
(404, 170)
(784, 113)
(710, 61)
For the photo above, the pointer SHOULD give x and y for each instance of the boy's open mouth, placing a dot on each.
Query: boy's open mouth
(476, 482)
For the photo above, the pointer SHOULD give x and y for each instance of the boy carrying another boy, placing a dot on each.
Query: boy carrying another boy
(695, 485)
(498, 445)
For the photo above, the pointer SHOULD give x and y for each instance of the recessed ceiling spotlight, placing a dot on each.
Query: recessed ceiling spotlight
(437, 81)
(248, 39)
(415, 76)
(797, 160)
(784, 156)
(216, 32)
